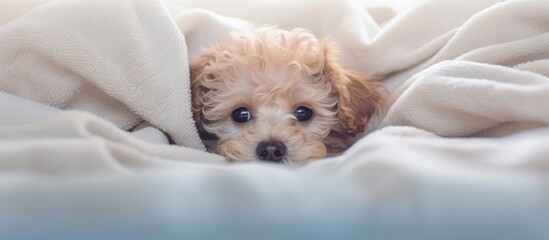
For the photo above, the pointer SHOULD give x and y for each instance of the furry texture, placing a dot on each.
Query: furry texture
(272, 72)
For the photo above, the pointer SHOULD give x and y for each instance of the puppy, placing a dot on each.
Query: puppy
(276, 95)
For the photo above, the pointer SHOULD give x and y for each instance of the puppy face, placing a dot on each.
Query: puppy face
(276, 95)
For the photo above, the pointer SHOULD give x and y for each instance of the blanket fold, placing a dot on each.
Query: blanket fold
(495, 76)
(125, 61)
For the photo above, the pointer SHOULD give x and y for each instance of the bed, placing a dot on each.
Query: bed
(97, 139)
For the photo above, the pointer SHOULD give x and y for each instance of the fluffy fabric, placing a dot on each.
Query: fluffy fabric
(495, 83)
(474, 69)
(124, 61)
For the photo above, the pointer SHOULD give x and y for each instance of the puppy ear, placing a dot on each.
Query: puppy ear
(359, 97)
(198, 88)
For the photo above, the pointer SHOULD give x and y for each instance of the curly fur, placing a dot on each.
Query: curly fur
(272, 72)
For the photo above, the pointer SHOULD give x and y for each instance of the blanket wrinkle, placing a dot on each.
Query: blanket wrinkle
(488, 94)
(88, 138)
(415, 35)
(203, 28)
(490, 28)
(461, 98)
(125, 61)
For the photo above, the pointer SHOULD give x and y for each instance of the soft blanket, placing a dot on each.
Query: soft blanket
(460, 150)
(124, 61)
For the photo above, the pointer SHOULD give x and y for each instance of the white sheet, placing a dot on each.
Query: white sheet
(470, 69)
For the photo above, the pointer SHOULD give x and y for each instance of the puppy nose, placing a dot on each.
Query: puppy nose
(271, 151)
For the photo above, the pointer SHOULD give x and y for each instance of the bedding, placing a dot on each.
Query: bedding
(92, 93)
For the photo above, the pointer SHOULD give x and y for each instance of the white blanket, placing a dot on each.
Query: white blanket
(124, 61)
(74, 74)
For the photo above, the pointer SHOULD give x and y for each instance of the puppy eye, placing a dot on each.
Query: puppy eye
(303, 113)
(242, 115)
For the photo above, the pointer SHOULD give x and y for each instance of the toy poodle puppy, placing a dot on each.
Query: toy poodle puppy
(279, 96)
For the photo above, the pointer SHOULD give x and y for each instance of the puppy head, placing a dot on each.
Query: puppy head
(275, 95)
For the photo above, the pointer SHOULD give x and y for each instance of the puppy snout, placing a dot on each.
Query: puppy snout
(271, 151)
